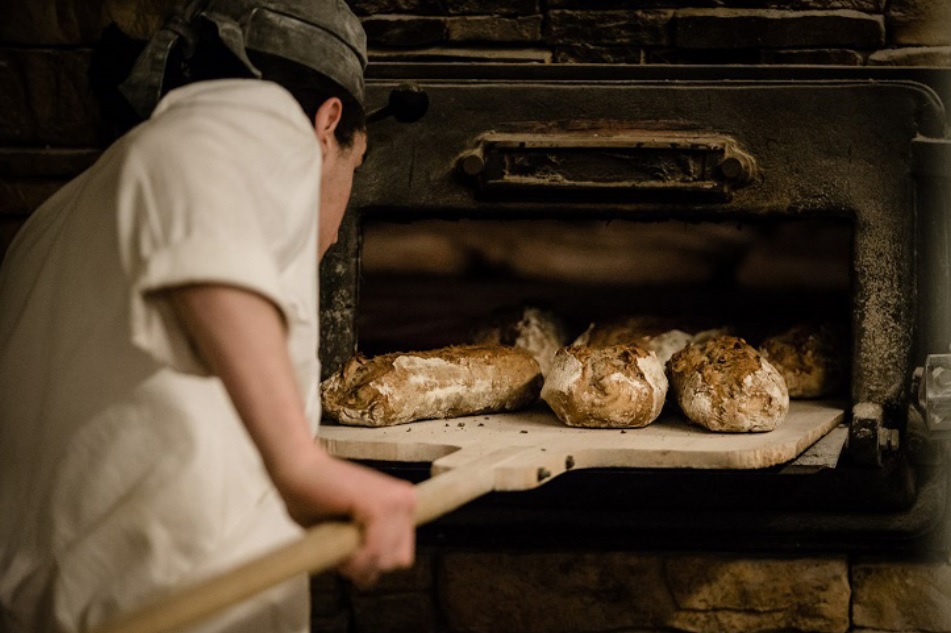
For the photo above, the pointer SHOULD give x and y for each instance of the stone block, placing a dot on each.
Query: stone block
(912, 56)
(9, 225)
(919, 22)
(892, 595)
(52, 22)
(20, 197)
(764, 28)
(28, 176)
(494, 29)
(336, 623)
(394, 613)
(463, 54)
(587, 54)
(584, 592)
(556, 592)
(814, 57)
(44, 162)
(45, 98)
(327, 596)
(609, 28)
(492, 7)
(417, 7)
(405, 31)
(726, 593)
(419, 577)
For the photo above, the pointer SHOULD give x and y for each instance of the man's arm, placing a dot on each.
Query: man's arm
(241, 337)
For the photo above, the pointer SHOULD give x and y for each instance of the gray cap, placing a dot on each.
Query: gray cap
(323, 35)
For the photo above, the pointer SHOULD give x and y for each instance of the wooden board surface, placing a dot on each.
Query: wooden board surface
(551, 448)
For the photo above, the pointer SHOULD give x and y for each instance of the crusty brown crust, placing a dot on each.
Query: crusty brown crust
(810, 358)
(663, 336)
(449, 382)
(724, 384)
(618, 386)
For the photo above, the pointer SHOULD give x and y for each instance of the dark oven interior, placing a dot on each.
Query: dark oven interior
(755, 201)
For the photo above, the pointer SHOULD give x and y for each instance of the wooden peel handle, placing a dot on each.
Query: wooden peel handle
(321, 548)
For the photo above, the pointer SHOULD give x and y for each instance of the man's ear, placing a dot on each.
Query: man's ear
(326, 120)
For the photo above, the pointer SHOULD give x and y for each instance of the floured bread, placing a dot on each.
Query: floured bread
(810, 358)
(617, 386)
(724, 384)
(538, 332)
(653, 333)
(443, 383)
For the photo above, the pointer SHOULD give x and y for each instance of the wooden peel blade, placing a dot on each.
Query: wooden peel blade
(322, 547)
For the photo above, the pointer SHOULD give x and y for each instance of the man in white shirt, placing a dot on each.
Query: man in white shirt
(158, 337)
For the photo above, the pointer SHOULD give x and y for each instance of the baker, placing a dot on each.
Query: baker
(158, 333)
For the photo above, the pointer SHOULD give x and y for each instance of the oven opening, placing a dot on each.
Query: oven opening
(432, 283)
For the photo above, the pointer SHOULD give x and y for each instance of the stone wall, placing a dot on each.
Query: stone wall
(457, 591)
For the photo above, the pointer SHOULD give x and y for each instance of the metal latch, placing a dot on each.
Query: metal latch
(934, 395)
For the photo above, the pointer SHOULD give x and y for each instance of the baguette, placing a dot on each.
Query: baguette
(449, 382)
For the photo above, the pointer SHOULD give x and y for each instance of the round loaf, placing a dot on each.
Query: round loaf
(618, 386)
(810, 358)
(724, 384)
(449, 382)
(538, 332)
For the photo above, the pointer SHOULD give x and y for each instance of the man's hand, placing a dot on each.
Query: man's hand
(383, 506)
(241, 337)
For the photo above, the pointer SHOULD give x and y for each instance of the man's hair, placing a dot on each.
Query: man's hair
(209, 60)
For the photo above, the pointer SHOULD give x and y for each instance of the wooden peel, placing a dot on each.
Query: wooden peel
(321, 548)
(472, 457)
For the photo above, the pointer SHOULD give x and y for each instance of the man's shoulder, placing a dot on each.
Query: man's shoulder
(227, 120)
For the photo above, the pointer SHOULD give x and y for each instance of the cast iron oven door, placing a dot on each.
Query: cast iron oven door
(693, 150)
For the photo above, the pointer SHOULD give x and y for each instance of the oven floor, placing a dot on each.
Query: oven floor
(670, 442)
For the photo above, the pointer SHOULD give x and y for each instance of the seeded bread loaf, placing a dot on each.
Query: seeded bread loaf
(617, 386)
(724, 384)
(810, 358)
(538, 332)
(449, 382)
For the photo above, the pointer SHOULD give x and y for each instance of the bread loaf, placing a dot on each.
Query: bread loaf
(538, 332)
(617, 386)
(443, 383)
(724, 384)
(810, 358)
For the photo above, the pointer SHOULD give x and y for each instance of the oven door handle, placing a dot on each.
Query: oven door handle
(627, 166)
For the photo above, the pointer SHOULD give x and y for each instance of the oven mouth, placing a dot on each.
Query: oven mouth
(430, 283)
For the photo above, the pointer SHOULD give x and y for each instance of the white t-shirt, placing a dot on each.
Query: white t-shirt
(124, 469)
